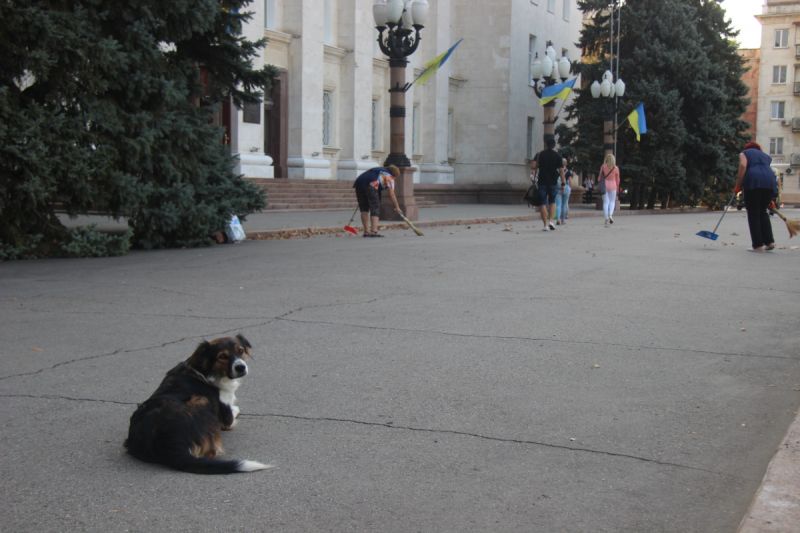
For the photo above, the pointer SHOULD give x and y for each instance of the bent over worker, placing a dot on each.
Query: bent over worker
(369, 186)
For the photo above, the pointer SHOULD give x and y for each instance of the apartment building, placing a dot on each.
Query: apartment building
(778, 123)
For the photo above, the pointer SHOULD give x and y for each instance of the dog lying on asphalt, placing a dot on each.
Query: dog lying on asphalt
(180, 425)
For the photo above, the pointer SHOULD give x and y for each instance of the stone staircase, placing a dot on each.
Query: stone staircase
(290, 194)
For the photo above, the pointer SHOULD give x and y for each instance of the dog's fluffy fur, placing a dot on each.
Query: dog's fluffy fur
(180, 425)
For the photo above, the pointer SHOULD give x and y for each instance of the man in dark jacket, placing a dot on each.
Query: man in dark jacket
(551, 175)
(368, 188)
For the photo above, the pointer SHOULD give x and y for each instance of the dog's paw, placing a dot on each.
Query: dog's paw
(235, 411)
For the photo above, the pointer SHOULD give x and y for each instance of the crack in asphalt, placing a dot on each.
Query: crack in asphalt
(62, 397)
(120, 351)
(182, 339)
(285, 318)
(535, 339)
(391, 425)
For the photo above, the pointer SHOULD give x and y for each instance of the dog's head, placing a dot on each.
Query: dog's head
(222, 358)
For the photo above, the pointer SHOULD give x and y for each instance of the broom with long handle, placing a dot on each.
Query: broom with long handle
(411, 225)
(793, 225)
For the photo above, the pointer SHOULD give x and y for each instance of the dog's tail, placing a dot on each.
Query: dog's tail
(204, 465)
(185, 461)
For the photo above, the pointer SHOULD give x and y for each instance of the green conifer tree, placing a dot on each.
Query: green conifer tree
(102, 108)
(678, 57)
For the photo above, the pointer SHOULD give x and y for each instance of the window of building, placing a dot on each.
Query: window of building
(327, 118)
(777, 109)
(376, 124)
(782, 38)
(566, 9)
(531, 56)
(551, 6)
(269, 15)
(531, 150)
(779, 74)
(415, 127)
(776, 145)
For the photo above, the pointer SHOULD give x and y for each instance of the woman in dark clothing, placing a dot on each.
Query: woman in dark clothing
(757, 180)
(368, 188)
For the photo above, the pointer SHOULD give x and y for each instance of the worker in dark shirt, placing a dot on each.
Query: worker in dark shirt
(369, 186)
(760, 186)
(550, 166)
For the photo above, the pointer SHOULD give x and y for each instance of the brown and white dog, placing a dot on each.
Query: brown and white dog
(180, 425)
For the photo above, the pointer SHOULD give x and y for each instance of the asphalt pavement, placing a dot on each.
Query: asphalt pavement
(488, 376)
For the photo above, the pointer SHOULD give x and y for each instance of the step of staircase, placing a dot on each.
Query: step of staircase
(287, 194)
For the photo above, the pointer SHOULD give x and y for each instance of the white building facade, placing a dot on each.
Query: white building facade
(475, 121)
(778, 122)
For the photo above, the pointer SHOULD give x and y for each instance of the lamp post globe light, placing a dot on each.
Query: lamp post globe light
(609, 90)
(545, 72)
(399, 23)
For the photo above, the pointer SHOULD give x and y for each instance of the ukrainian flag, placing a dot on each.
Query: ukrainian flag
(433, 65)
(638, 123)
(559, 90)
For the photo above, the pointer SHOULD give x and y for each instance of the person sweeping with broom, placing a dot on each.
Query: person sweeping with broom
(368, 188)
(759, 183)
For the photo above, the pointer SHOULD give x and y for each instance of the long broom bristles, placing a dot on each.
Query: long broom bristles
(792, 225)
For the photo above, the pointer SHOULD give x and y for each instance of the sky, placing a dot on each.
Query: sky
(740, 13)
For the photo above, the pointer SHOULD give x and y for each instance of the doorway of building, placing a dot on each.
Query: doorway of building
(276, 124)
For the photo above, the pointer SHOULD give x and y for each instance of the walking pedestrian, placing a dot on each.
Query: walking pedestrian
(369, 186)
(759, 183)
(562, 200)
(608, 181)
(550, 167)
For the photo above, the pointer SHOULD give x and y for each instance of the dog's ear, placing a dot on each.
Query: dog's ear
(245, 344)
(202, 358)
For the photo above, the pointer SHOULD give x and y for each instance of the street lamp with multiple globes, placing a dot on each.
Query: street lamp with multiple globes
(607, 87)
(545, 72)
(611, 90)
(399, 23)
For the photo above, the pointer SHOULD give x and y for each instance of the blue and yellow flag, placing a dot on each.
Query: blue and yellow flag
(559, 90)
(434, 64)
(638, 123)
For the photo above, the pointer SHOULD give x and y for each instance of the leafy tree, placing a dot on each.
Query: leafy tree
(690, 83)
(102, 108)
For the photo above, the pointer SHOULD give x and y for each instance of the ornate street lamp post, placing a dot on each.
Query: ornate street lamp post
(609, 90)
(399, 23)
(545, 72)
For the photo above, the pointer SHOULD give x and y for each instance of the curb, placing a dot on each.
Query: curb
(776, 504)
(304, 233)
(313, 231)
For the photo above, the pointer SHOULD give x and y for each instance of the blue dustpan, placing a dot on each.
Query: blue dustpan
(712, 234)
(708, 234)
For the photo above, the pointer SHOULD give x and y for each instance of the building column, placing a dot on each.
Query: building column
(303, 18)
(356, 32)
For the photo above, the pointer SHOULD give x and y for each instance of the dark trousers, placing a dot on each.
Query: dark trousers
(756, 202)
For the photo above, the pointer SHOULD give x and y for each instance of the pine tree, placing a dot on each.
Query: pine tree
(677, 57)
(102, 109)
